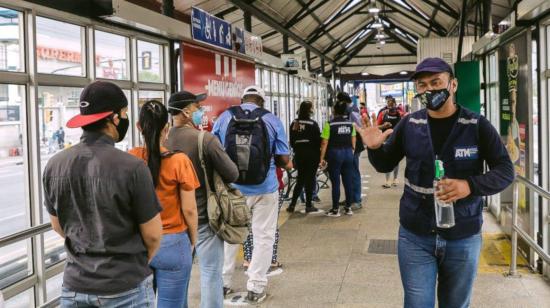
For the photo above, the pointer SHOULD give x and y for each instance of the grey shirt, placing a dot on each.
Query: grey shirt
(185, 139)
(101, 195)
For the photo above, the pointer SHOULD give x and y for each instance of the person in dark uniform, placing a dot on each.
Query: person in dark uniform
(305, 140)
(390, 116)
(338, 143)
(463, 141)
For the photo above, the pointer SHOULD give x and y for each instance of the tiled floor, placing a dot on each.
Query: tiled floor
(327, 264)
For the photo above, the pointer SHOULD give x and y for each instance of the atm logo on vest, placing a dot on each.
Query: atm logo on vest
(344, 130)
(466, 153)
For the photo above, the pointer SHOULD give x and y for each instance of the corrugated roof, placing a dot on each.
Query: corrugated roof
(331, 25)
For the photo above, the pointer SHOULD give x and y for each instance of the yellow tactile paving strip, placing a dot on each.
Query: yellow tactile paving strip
(496, 254)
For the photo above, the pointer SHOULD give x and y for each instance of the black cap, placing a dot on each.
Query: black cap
(97, 101)
(180, 100)
(343, 97)
(432, 65)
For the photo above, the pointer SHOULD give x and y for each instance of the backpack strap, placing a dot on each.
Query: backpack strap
(203, 163)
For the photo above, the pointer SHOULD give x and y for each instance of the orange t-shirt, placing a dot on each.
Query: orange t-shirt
(176, 173)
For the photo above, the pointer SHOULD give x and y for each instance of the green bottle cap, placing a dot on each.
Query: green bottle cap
(439, 170)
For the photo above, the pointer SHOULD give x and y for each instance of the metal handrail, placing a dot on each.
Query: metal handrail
(16, 237)
(516, 230)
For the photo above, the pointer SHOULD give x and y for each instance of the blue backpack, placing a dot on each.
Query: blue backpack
(247, 144)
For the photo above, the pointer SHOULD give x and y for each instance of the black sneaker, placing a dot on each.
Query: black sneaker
(227, 291)
(348, 211)
(333, 213)
(254, 298)
(290, 209)
(312, 210)
(316, 199)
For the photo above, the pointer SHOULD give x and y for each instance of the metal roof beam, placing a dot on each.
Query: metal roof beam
(377, 64)
(357, 49)
(353, 34)
(394, 25)
(226, 11)
(436, 25)
(353, 51)
(270, 21)
(434, 12)
(304, 11)
(325, 28)
(416, 21)
(403, 43)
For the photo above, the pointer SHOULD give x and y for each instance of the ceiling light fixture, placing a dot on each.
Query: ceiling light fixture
(374, 10)
(377, 25)
(403, 73)
(364, 73)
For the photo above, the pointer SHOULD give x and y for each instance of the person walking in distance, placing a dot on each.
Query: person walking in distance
(175, 182)
(305, 140)
(102, 201)
(390, 116)
(338, 145)
(186, 111)
(440, 260)
(255, 140)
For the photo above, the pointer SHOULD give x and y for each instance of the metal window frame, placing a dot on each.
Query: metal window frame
(32, 80)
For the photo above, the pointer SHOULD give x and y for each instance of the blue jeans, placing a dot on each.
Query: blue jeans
(340, 163)
(427, 260)
(140, 296)
(356, 179)
(210, 253)
(172, 268)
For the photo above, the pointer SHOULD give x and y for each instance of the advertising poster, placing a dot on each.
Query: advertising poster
(515, 112)
(222, 77)
(394, 89)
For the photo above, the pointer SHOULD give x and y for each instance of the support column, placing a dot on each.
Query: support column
(308, 60)
(247, 21)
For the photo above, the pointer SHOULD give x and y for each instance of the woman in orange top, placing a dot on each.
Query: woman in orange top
(175, 183)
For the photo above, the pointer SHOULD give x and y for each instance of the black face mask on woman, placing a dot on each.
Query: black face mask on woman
(434, 99)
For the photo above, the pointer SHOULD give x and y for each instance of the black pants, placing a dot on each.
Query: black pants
(306, 164)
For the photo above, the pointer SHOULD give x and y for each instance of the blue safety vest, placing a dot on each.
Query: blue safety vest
(461, 159)
(341, 129)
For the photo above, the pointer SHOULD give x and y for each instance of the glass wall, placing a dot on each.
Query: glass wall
(32, 126)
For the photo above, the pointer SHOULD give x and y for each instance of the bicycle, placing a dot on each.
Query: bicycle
(321, 182)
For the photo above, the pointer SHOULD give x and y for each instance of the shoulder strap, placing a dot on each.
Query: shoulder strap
(169, 153)
(203, 164)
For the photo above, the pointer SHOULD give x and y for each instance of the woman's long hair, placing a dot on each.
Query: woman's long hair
(153, 117)
(304, 113)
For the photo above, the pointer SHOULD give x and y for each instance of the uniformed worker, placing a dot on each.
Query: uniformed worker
(463, 140)
(305, 140)
(338, 143)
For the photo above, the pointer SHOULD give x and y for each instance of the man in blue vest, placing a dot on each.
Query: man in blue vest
(429, 255)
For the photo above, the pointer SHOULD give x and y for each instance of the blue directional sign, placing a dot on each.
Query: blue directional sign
(210, 29)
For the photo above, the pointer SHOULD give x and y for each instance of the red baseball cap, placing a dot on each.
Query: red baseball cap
(98, 100)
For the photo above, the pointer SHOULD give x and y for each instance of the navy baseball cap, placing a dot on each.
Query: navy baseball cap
(432, 65)
(180, 100)
(98, 100)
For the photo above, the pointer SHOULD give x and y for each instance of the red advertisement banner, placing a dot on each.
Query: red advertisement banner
(222, 77)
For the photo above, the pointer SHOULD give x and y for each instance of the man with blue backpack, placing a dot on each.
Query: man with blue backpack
(255, 140)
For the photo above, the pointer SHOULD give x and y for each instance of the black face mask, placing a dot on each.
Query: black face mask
(434, 99)
(122, 127)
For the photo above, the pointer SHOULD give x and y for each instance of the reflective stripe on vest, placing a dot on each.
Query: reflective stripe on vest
(418, 189)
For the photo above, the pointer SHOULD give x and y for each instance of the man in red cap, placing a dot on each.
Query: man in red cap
(103, 202)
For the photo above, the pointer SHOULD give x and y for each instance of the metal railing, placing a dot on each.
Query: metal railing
(516, 230)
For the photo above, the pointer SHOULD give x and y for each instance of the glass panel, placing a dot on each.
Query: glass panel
(258, 76)
(111, 56)
(59, 48)
(53, 248)
(283, 112)
(149, 62)
(56, 105)
(11, 47)
(291, 85)
(14, 208)
(21, 300)
(282, 83)
(144, 96)
(274, 82)
(297, 86)
(53, 286)
(265, 80)
(14, 263)
(126, 143)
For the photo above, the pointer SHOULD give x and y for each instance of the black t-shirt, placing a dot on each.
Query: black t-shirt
(101, 195)
(440, 129)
